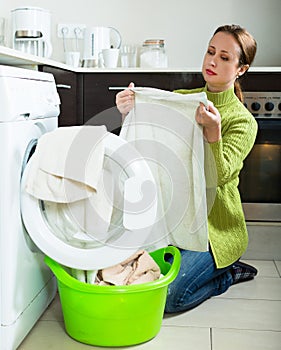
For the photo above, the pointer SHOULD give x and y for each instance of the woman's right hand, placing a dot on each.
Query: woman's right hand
(125, 100)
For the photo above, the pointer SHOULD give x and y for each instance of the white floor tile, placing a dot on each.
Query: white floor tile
(265, 268)
(262, 288)
(53, 312)
(278, 264)
(180, 338)
(246, 317)
(232, 339)
(231, 313)
(51, 335)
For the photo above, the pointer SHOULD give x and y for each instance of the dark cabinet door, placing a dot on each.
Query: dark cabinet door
(86, 98)
(261, 81)
(99, 101)
(70, 89)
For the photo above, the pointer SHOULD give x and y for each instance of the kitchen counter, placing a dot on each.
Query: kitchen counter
(13, 57)
(85, 93)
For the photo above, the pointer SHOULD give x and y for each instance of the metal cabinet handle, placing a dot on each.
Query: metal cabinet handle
(63, 86)
(117, 87)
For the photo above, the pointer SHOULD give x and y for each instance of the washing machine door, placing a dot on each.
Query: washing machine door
(53, 229)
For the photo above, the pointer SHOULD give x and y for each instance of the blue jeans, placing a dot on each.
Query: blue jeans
(197, 281)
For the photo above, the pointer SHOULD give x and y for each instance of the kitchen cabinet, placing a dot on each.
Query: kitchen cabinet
(70, 89)
(99, 101)
(86, 98)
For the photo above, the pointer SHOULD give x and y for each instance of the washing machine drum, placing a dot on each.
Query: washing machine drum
(55, 227)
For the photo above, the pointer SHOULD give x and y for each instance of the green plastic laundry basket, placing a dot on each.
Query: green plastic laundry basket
(115, 315)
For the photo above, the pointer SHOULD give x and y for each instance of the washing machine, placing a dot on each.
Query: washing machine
(31, 228)
(29, 109)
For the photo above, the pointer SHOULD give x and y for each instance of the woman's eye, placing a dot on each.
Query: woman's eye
(224, 58)
(210, 52)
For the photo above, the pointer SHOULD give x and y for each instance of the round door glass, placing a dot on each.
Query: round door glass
(83, 223)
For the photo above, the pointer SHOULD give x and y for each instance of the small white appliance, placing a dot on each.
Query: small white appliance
(31, 31)
(98, 38)
(29, 109)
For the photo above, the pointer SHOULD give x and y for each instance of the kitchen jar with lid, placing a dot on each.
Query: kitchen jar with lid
(153, 54)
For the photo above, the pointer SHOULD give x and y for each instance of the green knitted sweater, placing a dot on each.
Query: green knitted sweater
(228, 235)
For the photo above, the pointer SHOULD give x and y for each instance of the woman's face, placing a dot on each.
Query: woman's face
(221, 62)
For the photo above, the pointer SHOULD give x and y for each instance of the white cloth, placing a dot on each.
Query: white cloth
(163, 129)
(67, 169)
(67, 164)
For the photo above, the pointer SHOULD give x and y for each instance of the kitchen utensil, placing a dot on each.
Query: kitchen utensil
(128, 54)
(109, 58)
(89, 63)
(72, 58)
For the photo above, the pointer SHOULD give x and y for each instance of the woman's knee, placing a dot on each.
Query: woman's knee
(177, 295)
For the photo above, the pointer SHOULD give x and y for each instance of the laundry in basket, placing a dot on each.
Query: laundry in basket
(115, 315)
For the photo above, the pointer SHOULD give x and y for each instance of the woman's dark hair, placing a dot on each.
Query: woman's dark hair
(248, 48)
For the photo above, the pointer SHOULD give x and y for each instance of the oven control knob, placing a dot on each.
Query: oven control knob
(279, 106)
(269, 106)
(255, 106)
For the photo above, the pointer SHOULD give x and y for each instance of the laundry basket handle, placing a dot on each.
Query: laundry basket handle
(160, 255)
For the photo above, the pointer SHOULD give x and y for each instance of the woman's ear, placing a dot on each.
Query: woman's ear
(242, 70)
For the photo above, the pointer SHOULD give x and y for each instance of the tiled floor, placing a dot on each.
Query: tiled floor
(246, 317)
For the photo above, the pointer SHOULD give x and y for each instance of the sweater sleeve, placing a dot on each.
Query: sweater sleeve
(238, 138)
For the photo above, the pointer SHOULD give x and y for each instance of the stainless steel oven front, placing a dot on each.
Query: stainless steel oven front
(260, 177)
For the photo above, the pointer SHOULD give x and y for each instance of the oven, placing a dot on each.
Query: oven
(260, 177)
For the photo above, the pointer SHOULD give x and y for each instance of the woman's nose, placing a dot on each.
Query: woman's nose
(213, 61)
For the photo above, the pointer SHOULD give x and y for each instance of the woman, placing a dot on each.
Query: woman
(230, 130)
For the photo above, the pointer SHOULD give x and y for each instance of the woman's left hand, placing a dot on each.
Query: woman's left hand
(210, 119)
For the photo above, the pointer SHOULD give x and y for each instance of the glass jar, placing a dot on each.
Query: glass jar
(153, 54)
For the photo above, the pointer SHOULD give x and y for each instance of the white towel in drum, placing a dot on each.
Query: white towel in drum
(67, 169)
(67, 164)
(163, 129)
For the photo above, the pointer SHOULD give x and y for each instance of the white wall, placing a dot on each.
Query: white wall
(185, 25)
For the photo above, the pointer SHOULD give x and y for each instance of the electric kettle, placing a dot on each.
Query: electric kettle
(95, 40)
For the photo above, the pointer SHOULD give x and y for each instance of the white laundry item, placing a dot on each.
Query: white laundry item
(67, 174)
(163, 129)
(67, 164)
(91, 276)
(80, 275)
(84, 276)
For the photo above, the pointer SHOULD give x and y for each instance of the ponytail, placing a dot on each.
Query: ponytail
(238, 90)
